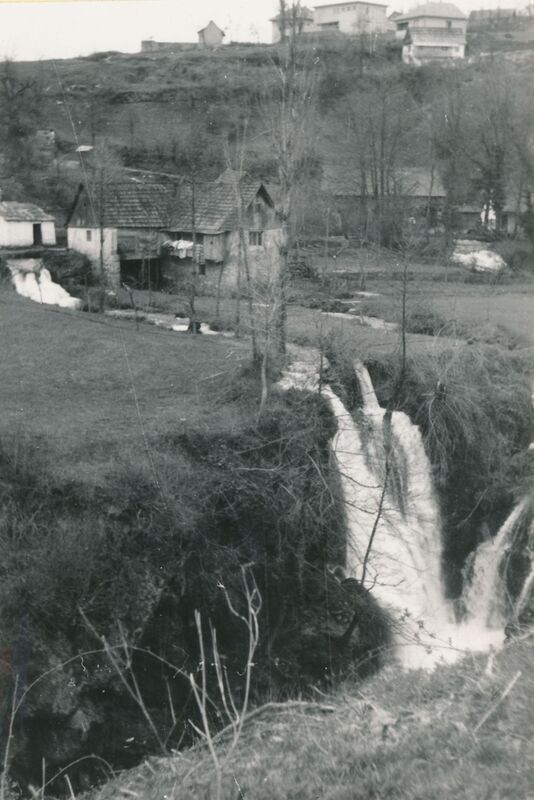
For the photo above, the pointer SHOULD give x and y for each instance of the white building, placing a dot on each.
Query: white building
(348, 18)
(352, 18)
(211, 35)
(301, 20)
(24, 225)
(432, 32)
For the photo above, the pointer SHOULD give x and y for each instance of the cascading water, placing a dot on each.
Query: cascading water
(394, 532)
(393, 520)
(483, 597)
(34, 281)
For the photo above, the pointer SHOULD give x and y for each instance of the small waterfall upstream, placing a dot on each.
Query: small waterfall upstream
(394, 533)
(34, 281)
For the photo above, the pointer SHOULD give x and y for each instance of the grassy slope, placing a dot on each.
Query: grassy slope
(400, 735)
(79, 380)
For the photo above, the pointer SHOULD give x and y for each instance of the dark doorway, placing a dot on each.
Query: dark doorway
(141, 273)
(37, 233)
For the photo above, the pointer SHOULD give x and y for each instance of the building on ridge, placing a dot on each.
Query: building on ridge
(432, 32)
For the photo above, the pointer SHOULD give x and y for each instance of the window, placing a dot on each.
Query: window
(255, 238)
(257, 207)
(449, 24)
(88, 236)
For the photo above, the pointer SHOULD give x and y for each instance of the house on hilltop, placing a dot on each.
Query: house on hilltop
(211, 35)
(143, 233)
(25, 225)
(298, 22)
(432, 32)
(352, 18)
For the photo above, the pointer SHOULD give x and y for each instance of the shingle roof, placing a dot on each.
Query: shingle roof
(126, 205)
(406, 181)
(211, 24)
(436, 10)
(169, 207)
(23, 212)
(215, 206)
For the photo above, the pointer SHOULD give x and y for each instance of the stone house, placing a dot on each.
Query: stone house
(215, 216)
(118, 226)
(133, 227)
(432, 32)
(25, 225)
(211, 35)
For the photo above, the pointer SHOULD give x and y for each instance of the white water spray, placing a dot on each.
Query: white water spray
(34, 281)
(394, 532)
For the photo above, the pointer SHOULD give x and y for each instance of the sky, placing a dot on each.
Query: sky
(44, 29)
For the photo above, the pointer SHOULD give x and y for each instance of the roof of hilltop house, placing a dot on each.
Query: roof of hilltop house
(211, 24)
(407, 181)
(437, 10)
(216, 207)
(23, 212)
(126, 205)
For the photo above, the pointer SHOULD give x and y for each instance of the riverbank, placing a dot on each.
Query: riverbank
(463, 731)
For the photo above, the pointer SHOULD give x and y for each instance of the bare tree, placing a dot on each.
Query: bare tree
(287, 112)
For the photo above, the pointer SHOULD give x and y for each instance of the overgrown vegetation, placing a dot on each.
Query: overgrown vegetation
(456, 732)
(134, 558)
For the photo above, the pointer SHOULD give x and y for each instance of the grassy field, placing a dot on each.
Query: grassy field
(453, 733)
(91, 383)
(93, 387)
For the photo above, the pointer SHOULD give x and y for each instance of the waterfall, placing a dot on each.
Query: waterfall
(394, 537)
(34, 281)
(483, 597)
(404, 560)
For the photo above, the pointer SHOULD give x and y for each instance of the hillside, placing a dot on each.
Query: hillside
(149, 108)
(454, 733)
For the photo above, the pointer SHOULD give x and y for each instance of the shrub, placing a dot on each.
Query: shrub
(139, 556)
(519, 255)
(70, 269)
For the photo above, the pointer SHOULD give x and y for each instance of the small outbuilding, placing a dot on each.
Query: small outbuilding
(211, 35)
(25, 225)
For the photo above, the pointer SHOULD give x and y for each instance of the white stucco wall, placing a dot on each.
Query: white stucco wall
(437, 22)
(307, 26)
(353, 18)
(420, 54)
(264, 260)
(77, 240)
(20, 234)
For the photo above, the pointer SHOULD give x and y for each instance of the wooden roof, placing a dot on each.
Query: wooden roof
(23, 212)
(166, 206)
(125, 205)
(433, 10)
(216, 207)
